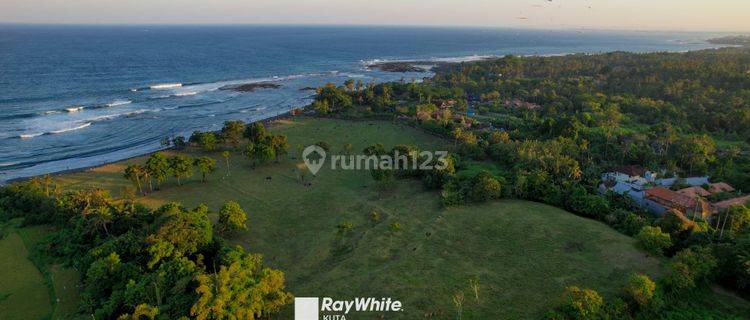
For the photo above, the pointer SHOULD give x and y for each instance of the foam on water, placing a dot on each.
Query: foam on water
(119, 103)
(165, 86)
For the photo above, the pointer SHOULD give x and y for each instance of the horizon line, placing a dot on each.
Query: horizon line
(312, 24)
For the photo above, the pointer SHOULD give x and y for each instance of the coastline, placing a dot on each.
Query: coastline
(282, 116)
(396, 66)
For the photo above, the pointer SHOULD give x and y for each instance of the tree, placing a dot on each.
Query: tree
(641, 289)
(255, 132)
(458, 301)
(349, 84)
(690, 266)
(208, 141)
(181, 166)
(179, 143)
(653, 240)
(582, 303)
(322, 107)
(347, 148)
(205, 166)
(243, 289)
(232, 218)
(336, 99)
(280, 145)
(232, 132)
(141, 311)
(182, 234)
(474, 284)
(134, 173)
(264, 152)
(457, 133)
(695, 152)
(226, 155)
(100, 217)
(485, 187)
(158, 167)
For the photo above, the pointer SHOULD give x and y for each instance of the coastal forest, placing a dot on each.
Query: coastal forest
(514, 226)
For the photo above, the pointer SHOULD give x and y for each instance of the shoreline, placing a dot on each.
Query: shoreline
(285, 115)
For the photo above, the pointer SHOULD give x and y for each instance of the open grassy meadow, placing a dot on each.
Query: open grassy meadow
(403, 244)
(25, 291)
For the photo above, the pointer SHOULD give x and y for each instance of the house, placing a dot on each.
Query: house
(726, 204)
(630, 173)
(691, 181)
(627, 180)
(719, 187)
(713, 188)
(694, 192)
(659, 199)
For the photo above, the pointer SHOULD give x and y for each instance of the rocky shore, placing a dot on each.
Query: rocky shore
(403, 66)
(249, 87)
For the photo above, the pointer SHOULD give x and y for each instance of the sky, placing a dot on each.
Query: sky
(685, 15)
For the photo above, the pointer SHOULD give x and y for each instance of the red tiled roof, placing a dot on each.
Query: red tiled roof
(669, 198)
(694, 192)
(631, 170)
(732, 202)
(720, 187)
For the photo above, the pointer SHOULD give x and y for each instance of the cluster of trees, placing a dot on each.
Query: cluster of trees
(136, 263)
(264, 146)
(159, 167)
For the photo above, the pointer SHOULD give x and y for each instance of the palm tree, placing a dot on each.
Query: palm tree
(101, 217)
(47, 181)
(226, 156)
(147, 176)
(205, 165)
(133, 173)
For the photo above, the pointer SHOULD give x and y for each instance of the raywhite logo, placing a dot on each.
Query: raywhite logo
(311, 308)
(314, 165)
(306, 309)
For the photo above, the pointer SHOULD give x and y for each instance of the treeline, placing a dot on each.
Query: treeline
(261, 147)
(139, 263)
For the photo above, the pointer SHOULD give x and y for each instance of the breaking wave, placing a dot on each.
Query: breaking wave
(34, 135)
(118, 103)
(163, 86)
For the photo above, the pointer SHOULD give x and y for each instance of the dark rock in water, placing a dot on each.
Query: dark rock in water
(308, 89)
(249, 87)
(731, 40)
(405, 66)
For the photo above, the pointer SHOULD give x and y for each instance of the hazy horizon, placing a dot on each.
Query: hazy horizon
(636, 15)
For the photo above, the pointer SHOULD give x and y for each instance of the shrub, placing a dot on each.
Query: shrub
(641, 289)
(581, 303)
(653, 240)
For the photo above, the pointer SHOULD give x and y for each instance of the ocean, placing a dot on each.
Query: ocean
(79, 96)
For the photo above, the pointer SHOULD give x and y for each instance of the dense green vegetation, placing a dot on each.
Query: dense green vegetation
(551, 125)
(134, 261)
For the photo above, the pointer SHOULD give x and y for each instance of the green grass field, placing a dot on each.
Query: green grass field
(25, 292)
(523, 253)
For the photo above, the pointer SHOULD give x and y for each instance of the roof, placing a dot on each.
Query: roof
(669, 198)
(720, 187)
(631, 170)
(732, 202)
(694, 192)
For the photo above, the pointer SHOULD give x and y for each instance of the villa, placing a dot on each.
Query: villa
(655, 194)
